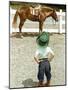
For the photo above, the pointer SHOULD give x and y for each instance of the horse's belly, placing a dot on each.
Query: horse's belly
(34, 18)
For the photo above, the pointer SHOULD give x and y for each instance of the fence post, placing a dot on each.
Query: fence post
(60, 21)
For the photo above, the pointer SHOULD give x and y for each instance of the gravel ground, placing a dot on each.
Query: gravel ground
(23, 68)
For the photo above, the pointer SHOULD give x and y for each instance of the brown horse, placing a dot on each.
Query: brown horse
(38, 14)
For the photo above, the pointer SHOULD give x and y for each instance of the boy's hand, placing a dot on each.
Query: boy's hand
(36, 60)
(50, 56)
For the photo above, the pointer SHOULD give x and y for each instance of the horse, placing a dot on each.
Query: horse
(36, 14)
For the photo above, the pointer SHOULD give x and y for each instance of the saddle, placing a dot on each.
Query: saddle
(35, 11)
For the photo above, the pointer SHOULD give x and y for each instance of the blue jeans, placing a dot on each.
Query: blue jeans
(44, 68)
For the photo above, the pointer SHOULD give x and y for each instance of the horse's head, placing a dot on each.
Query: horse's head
(54, 15)
(50, 12)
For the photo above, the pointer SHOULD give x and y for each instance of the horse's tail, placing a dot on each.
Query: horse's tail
(14, 23)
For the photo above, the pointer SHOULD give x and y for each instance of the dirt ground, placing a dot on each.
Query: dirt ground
(23, 68)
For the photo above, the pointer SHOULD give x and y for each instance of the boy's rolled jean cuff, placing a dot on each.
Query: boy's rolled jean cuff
(42, 78)
(49, 78)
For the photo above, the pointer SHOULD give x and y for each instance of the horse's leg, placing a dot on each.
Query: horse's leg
(20, 26)
(40, 26)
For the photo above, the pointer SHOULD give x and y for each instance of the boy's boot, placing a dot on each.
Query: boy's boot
(40, 83)
(47, 84)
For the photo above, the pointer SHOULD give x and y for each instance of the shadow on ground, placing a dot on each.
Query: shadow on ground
(25, 34)
(29, 83)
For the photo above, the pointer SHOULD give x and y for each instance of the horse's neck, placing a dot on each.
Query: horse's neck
(47, 11)
(48, 14)
(47, 8)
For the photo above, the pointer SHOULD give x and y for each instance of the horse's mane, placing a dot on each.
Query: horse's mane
(46, 7)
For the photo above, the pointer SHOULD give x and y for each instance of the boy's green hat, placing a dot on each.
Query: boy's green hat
(43, 39)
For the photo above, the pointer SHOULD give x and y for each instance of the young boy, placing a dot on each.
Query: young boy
(43, 56)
